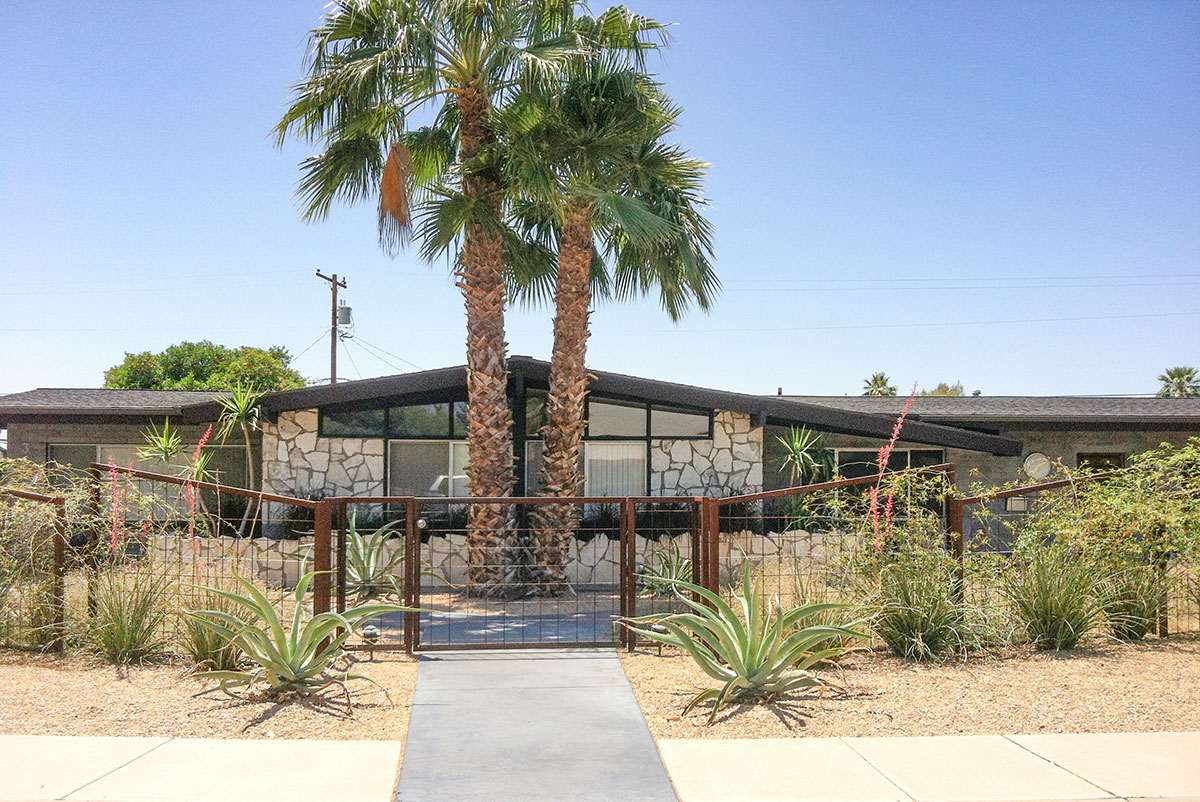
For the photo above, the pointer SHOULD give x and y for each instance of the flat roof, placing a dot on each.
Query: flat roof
(773, 409)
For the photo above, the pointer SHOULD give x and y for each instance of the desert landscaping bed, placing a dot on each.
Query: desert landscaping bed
(74, 695)
(1103, 687)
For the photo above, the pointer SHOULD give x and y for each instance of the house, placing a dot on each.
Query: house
(405, 434)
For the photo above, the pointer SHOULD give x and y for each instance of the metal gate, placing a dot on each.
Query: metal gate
(502, 573)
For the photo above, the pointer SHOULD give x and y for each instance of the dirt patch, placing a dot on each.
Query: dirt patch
(47, 695)
(1105, 687)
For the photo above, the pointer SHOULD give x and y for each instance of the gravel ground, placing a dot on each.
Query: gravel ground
(1104, 687)
(74, 695)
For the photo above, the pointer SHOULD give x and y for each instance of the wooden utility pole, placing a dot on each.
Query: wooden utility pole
(333, 324)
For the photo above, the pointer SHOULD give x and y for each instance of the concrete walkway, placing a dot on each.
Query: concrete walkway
(987, 768)
(528, 725)
(34, 768)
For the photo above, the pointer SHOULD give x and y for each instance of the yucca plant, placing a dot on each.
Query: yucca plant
(293, 662)
(128, 624)
(1132, 598)
(1054, 595)
(667, 567)
(758, 655)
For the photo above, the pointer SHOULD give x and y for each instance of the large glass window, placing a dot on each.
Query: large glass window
(419, 420)
(427, 468)
(615, 469)
(358, 423)
(678, 423)
(610, 419)
(853, 463)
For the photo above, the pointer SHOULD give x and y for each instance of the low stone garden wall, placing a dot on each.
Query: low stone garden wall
(280, 563)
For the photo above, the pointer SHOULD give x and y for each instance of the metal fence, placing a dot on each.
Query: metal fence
(47, 595)
(536, 572)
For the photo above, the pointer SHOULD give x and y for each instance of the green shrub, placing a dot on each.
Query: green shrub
(757, 654)
(291, 661)
(1132, 601)
(1054, 596)
(918, 611)
(128, 622)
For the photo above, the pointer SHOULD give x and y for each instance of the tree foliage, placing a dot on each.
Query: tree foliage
(205, 365)
(1181, 382)
(945, 388)
(878, 384)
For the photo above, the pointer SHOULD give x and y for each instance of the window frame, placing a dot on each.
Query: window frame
(387, 434)
(531, 487)
(1082, 456)
(647, 430)
(450, 444)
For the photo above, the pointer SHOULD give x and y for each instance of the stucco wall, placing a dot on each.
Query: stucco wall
(729, 463)
(29, 440)
(1059, 444)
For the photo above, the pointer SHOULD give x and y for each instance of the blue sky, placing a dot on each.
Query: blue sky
(1006, 194)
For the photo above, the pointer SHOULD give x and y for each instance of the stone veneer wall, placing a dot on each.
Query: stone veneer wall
(731, 462)
(296, 462)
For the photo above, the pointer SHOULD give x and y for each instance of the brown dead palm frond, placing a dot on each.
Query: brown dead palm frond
(395, 213)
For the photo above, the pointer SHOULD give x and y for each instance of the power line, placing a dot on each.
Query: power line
(1011, 321)
(320, 337)
(389, 353)
(354, 364)
(373, 352)
(929, 279)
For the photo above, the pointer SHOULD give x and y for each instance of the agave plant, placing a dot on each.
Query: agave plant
(371, 562)
(757, 656)
(667, 567)
(296, 661)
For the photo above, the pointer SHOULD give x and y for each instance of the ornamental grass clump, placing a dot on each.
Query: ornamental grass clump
(1132, 601)
(1054, 595)
(291, 662)
(130, 612)
(208, 649)
(758, 653)
(919, 611)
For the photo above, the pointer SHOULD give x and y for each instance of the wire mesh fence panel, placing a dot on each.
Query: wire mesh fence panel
(508, 573)
(549, 574)
(196, 537)
(812, 543)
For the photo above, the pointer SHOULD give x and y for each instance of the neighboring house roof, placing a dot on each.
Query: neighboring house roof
(1016, 409)
(522, 368)
(90, 401)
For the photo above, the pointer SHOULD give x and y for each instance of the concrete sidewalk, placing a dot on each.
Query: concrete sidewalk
(986, 768)
(528, 725)
(34, 768)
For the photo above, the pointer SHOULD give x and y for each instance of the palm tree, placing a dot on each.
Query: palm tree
(591, 165)
(1181, 382)
(240, 412)
(376, 63)
(879, 385)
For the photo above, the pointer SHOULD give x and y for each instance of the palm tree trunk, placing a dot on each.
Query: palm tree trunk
(489, 419)
(556, 523)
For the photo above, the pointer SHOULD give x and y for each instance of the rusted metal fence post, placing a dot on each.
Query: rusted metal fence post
(323, 524)
(412, 576)
(956, 523)
(628, 546)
